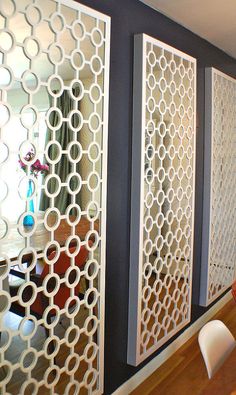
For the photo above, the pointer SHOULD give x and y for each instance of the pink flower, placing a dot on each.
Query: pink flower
(45, 167)
(22, 165)
(36, 167)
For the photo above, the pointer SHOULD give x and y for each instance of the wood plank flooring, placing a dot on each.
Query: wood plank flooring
(184, 373)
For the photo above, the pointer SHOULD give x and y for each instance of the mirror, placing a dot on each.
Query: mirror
(53, 117)
(218, 237)
(162, 222)
(168, 204)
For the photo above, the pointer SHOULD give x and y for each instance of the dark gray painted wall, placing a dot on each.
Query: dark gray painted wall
(130, 17)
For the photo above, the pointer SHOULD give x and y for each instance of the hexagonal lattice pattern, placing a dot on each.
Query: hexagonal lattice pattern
(51, 52)
(164, 144)
(218, 256)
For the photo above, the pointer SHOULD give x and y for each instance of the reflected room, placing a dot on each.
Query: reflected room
(51, 152)
(167, 195)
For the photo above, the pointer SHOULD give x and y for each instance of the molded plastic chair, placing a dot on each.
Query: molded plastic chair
(60, 267)
(216, 343)
(42, 302)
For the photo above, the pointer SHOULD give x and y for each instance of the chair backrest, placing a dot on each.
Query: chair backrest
(233, 290)
(64, 261)
(216, 343)
(60, 267)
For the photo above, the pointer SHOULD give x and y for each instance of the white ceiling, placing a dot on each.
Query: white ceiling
(213, 20)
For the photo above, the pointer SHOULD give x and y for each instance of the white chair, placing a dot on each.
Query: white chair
(216, 343)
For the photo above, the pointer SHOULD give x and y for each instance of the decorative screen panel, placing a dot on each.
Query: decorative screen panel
(54, 71)
(219, 219)
(162, 195)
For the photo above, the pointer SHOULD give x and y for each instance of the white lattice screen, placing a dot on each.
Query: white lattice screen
(219, 219)
(54, 73)
(162, 195)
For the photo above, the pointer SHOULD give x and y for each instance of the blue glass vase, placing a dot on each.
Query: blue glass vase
(28, 219)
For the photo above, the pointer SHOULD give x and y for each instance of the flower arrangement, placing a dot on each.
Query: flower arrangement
(35, 167)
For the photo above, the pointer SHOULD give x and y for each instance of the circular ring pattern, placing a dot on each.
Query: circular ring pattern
(33, 14)
(5, 113)
(5, 302)
(30, 82)
(72, 218)
(74, 183)
(53, 152)
(57, 22)
(56, 54)
(8, 8)
(78, 30)
(75, 120)
(53, 115)
(74, 360)
(95, 93)
(52, 218)
(31, 47)
(51, 247)
(52, 181)
(97, 37)
(28, 359)
(55, 85)
(7, 41)
(96, 65)
(6, 77)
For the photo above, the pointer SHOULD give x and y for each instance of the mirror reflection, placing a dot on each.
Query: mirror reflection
(168, 195)
(51, 118)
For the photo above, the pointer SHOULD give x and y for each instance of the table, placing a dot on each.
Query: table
(13, 244)
(224, 380)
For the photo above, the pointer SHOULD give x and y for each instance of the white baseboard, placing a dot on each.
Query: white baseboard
(148, 369)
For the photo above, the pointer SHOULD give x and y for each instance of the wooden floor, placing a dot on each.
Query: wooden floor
(184, 373)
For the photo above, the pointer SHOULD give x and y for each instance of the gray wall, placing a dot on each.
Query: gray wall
(130, 17)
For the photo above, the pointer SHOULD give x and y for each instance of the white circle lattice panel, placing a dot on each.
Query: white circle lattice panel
(162, 196)
(219, 246)
(54, 80)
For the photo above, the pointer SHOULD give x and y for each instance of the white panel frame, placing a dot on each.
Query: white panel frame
(105, 94)
(210, 75)
(134, 357)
